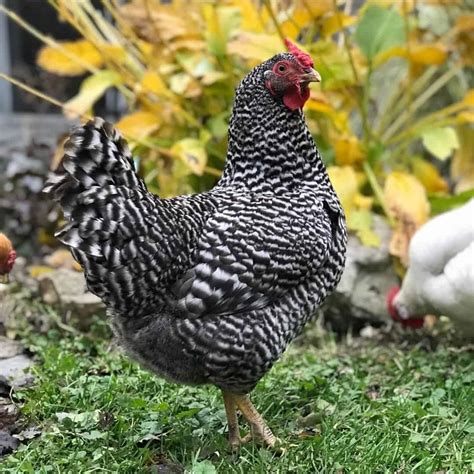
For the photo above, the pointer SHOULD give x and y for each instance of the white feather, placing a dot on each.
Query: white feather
(440, 279)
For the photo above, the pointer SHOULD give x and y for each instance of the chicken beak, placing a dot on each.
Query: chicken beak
(311, 76)
(4, 278)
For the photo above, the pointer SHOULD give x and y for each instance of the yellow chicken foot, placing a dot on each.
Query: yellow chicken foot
(231, 412)
(258, 428)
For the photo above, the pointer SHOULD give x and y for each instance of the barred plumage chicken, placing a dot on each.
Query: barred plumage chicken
(210, 288)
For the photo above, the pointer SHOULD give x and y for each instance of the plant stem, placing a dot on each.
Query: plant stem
(377, 190)
(47, 40)
(362, 101)
(40, 94)
(435, 87)
(273, 17)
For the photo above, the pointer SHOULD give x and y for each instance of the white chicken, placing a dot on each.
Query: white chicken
(440, 277)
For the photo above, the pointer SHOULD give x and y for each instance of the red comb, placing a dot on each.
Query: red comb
(303, 58)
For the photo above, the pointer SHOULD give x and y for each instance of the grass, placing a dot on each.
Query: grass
(375, 408)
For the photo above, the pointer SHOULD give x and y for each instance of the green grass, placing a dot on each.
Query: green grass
(372, 409)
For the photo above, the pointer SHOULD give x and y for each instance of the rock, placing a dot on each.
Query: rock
(13, 363)
(20, 274)
(360, 296)
(13, 370)
(7, 443)
(9, 348)
(9, 413)
(66, 289)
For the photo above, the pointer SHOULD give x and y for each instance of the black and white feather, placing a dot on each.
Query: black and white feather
(208, 288)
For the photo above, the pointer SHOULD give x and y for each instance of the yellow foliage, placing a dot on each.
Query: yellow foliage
(408, 205)
(139, 124)
(469, 98)
(462, 165)
(429, 176)
(464, 29)
(70, 58)
(152, 82)
(423, 54)
(177, 66)
(92, 89)
(348, 150)
(256, 47)
(356, 206)
(335, 22)
(250, 21)
(192, 152)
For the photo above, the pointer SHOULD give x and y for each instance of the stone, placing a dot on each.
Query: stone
(66, 289)
(8, 443)
(360, 297)
(9, 348)
(13, 369)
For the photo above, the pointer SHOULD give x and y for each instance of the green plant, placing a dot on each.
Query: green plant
(372, 408)
(394, 90)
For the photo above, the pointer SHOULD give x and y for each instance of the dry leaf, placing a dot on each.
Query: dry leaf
(408, 205)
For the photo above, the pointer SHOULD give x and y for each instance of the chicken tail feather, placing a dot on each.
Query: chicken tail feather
(95, 155)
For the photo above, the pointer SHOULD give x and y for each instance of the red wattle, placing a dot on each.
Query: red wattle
(295, 98)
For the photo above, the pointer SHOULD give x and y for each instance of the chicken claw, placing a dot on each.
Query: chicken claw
(258, 428)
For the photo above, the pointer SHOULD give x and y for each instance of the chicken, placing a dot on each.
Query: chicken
(210, 288)
(7, 258)
(440, 278)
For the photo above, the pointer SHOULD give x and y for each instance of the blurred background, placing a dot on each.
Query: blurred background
(393, 115)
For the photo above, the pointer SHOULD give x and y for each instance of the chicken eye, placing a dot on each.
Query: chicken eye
(281, 68)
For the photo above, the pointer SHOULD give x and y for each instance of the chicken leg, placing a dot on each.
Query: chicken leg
(258, 427)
